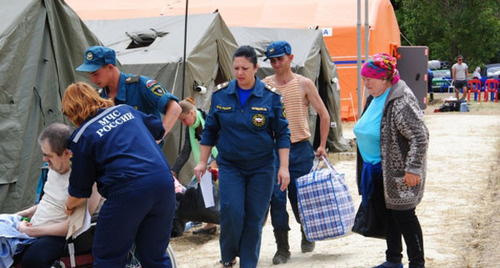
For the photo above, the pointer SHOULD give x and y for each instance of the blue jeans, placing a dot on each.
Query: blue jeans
(300, 163)
(244, 199)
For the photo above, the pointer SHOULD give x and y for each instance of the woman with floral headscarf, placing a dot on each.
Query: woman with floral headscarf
(392, 144)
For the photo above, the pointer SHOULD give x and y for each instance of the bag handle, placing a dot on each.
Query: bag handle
(328, 164)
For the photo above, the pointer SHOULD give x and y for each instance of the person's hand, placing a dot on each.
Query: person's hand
(68, 211)
(321, 151)
(411, 179)
(23, 226)
(199, 170)
(283, 178)
(213, 165)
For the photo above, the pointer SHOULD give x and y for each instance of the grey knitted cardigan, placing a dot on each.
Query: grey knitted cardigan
(404, 139)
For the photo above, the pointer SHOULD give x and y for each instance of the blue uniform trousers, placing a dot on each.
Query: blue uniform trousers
(143, 215)
(245, 194)
(300, 163)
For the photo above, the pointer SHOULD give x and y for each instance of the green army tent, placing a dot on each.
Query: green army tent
(41, 43)
(154, 47)
(312, 60)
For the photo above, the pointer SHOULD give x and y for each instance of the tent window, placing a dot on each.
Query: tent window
(143, 39)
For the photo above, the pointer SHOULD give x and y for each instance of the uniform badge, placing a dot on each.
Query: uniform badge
(258, 120)
(271, 50)
(90, 55)
(283, 111)
(158, 90)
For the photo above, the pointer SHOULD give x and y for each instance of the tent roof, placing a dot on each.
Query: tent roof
(168, 48)
(258, 13)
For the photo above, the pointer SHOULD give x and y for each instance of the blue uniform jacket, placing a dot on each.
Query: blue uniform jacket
(142, 93)
(114, 147)
(246, 136)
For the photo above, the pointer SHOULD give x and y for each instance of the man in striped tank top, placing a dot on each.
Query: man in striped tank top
(298, 92)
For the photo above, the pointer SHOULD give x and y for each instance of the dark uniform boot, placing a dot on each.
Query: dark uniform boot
(305, 245)
(283, 253)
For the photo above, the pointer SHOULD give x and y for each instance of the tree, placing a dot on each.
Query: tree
(452, 27)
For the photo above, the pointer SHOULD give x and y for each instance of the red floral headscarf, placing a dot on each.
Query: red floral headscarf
(381, 66)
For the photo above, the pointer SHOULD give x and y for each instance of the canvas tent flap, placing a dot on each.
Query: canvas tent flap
(41, 44)
(312, 60)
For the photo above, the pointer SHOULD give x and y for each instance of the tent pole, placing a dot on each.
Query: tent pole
(358, 41)
(183, 68)
(185, 44)
(367, 32)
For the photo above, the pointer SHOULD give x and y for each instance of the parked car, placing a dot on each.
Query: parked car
(442, 79)
(492, 70)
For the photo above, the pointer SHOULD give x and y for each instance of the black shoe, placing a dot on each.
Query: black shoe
(306, 245)
(228, 264)
(208, 231)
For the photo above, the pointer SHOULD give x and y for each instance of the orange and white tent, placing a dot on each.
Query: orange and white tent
(337, 19)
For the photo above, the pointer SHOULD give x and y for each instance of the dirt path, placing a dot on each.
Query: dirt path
(459, 213)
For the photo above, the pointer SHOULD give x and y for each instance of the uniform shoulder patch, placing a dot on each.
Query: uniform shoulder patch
(221, 86)
(133, 79)
(272, 89)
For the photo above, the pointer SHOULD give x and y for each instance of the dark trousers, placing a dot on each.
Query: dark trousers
(43, 252)
(300, 163)
(244, 195)
(400, 223)
(143, 215)
(405, 223)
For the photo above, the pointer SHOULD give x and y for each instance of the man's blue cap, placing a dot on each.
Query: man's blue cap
(96, 57)
(278, 49)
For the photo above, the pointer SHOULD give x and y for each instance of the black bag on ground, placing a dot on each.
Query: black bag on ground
(192, 206)
(368, 223)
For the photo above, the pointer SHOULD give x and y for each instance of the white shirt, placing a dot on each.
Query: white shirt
(460, 70)
(50, 210)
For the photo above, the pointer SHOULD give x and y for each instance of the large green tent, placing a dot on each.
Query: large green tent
(41, 43)
(154, 47)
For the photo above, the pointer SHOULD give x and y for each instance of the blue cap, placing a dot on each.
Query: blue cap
(96, 57)
(278, 49)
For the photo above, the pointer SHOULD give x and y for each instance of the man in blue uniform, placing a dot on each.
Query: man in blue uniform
(141, 92)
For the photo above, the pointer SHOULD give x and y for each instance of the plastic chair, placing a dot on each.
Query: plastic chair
(474, 85)
(491, 87)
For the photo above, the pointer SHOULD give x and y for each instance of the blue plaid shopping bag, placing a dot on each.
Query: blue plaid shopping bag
(325, 204)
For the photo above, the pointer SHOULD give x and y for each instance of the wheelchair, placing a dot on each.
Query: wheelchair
(79, 250)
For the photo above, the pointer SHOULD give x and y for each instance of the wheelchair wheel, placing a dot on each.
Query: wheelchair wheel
(133, 262)
(171, 255)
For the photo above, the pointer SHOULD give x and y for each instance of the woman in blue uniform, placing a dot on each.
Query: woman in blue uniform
(246, 120)
(115, 146)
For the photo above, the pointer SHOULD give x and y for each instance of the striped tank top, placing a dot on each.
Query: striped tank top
(296, 111)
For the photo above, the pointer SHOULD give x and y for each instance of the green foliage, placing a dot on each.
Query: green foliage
(451, 27)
